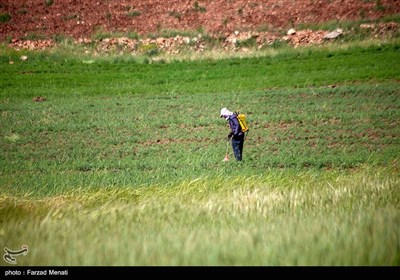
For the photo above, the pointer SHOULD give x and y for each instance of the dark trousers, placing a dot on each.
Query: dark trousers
(237, 146)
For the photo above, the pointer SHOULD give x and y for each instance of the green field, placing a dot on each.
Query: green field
(122, 163)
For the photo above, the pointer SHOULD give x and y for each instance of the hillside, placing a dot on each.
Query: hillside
(79, 19)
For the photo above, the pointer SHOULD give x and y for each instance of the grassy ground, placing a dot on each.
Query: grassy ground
(143, 140)
(122, 164)
(51, 74)
(276, 218)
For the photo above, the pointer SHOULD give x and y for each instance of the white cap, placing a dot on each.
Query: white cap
(225, 113)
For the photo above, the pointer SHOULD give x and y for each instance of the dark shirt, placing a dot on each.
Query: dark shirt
(236, 130)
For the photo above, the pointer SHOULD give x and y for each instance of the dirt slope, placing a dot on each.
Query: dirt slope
(46, 18)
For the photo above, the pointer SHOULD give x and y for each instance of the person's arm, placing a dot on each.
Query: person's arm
(236, 127)
(232, 127)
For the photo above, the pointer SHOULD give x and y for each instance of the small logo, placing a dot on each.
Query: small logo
(10, 254)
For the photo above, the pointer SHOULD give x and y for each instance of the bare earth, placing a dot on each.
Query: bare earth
(80, 19)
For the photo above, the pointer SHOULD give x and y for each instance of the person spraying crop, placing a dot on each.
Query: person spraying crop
(238, 128)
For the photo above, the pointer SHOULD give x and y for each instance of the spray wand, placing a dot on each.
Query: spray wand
(227, 151)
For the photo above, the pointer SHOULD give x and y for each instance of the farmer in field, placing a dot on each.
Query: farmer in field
(235, 135)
